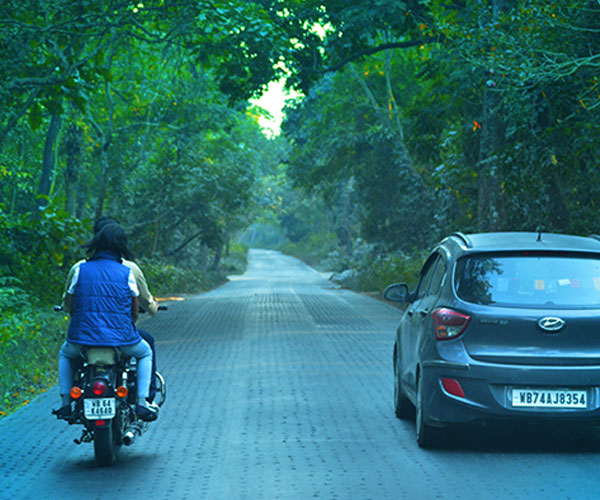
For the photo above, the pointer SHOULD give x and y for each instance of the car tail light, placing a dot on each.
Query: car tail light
(449, 324)
(99, 388)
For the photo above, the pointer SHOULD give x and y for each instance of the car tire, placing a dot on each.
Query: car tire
(427, 436)
(402, 405)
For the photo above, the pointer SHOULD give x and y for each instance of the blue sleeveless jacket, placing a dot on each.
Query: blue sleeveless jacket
(102, 299)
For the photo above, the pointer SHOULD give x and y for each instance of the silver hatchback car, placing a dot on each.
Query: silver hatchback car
(500, 326)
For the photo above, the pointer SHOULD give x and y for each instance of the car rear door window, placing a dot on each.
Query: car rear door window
(530, 279)
(432, 275)
(437, 277)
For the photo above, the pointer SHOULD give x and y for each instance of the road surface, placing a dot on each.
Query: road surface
(280, 387)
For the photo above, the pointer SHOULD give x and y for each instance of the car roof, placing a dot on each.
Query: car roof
(506, 241)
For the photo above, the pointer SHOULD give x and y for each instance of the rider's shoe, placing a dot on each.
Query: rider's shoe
(147, 412)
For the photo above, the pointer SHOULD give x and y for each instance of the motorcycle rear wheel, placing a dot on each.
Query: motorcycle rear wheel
(105, 444)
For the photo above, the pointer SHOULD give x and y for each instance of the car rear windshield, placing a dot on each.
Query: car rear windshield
(530, 279)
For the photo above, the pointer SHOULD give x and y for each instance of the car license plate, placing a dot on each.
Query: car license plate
(100, 408)
(548, 398)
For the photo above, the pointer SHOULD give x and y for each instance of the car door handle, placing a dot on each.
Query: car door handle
(423, 312)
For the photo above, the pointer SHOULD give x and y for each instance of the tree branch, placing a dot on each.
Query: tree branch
(375, 50)
(185, 243)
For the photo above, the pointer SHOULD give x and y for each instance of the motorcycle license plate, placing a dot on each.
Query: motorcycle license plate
(100, 408)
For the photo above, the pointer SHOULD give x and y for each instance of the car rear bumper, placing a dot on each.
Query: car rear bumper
(488, 391)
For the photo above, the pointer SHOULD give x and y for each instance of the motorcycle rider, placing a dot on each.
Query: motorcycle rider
(102, 299)
(146, 301)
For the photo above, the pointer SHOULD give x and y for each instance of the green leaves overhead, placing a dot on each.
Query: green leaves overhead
(472, 115)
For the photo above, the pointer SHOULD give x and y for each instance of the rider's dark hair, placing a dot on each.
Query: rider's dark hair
(103, 221)
(110, 237)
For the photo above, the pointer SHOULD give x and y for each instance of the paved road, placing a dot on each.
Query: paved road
(280, 387)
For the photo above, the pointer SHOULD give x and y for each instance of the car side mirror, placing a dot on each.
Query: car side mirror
(398, 292)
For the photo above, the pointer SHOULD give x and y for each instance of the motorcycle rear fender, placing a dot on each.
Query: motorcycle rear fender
(106, 373)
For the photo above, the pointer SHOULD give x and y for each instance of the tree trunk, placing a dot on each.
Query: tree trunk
(490, 210)
(217, 258)
(48, 159)
(156, 236)
(490, 206)
(73, 146)
(106, 133)
(103, 183)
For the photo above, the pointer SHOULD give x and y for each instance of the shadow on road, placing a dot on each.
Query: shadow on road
(523, 438)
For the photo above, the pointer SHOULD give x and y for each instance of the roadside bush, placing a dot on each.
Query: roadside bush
(164, 278)
(377, 273)
(38, 249)
(371, 271)
(29, 344)
(236, 262)
(315, 250)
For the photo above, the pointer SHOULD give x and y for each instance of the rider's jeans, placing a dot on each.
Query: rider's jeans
(141, 351)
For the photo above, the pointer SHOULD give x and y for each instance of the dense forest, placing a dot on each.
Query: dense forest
(414, 119)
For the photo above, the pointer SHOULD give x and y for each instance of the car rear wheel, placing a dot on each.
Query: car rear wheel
(402, 406)
(427, 436)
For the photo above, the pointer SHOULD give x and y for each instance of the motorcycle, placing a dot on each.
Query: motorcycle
(105, 395)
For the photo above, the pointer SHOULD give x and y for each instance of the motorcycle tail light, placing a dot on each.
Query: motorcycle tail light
(100, 423)
(122, 391)
(75, 392)
(99, 388)
(449, 324)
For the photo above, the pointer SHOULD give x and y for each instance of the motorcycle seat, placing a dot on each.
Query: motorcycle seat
(102, 356)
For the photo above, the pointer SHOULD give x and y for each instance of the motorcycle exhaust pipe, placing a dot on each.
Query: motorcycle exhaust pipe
(130, 434)
(129, 438)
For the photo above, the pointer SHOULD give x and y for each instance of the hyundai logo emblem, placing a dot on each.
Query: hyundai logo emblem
(551, 324)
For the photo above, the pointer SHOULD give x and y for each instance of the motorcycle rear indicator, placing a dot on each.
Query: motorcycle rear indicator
(449, 324)
(76, 392)
(122, 391)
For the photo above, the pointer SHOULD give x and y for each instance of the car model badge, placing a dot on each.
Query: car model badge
(551, 324)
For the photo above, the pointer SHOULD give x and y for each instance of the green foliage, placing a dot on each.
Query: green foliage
(166, 279)
(236, 261)
(378, 271)
(349, 149)
(29, 344)
(490, 124)
(35, 247)
(315, 249)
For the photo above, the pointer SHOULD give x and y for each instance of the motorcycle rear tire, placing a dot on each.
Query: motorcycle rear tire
(105, 444)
